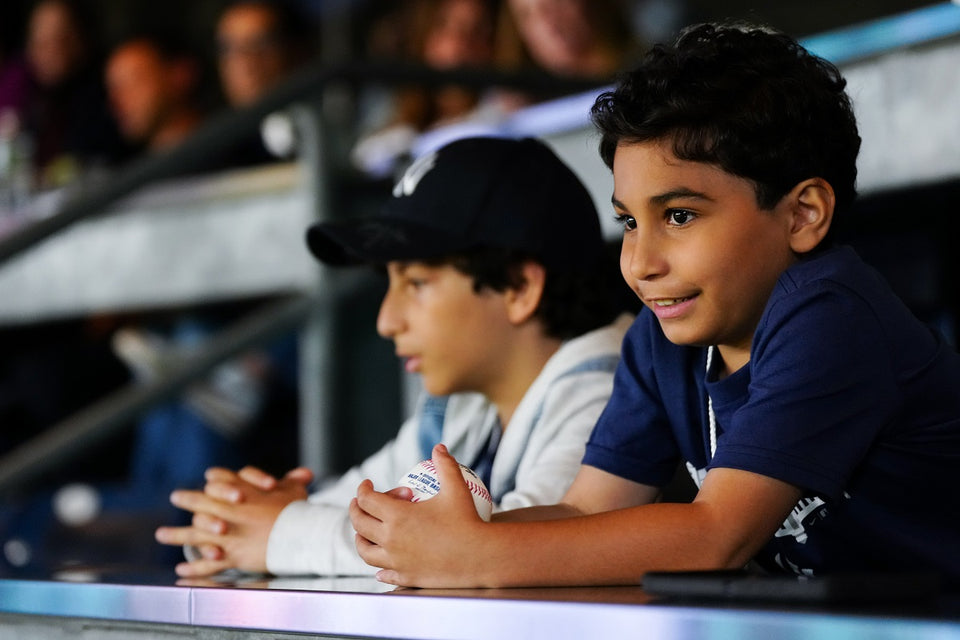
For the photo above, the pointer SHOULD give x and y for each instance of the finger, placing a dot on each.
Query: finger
(219, 474)
(209, 523)
(211, 552)
(300, 475)
(369, 552)
(363, 523)
(260, 479)
(402, 493)
(365, 488)
(197, 501)
(181, 536)
(201, 568)
(373, 503)
(388, 576)
(225, 491)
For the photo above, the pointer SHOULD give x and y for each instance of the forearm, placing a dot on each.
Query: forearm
(615, 547)
(734, 514)
(538, 513)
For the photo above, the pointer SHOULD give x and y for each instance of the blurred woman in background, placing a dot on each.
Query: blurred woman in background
(66, 114)
(442, 35)
(579, 38)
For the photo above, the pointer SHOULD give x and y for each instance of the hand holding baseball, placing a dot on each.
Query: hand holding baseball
(419, 542)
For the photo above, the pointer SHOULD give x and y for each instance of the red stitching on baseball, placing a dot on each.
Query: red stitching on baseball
(476, 487)
(479, 490)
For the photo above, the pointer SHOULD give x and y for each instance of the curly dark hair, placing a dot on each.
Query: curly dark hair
(574, 301)
(747, 99)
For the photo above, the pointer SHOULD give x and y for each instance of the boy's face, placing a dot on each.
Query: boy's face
(697, 249)
(454, 337)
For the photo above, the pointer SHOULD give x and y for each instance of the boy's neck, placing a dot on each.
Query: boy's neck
(522, 366)
(732, 359)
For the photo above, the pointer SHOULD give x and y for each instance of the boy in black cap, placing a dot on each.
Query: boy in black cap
(819, 418)
(499, 297)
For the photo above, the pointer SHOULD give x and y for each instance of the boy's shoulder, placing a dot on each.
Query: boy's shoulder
(838, 276)
(837, 306)
(839, 264)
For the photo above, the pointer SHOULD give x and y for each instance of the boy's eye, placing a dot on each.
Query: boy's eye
(679, 217)
(629, 223)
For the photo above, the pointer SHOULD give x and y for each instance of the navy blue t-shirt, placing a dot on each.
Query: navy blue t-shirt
(846, 395)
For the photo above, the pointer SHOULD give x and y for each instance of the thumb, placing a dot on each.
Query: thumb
(449, 474)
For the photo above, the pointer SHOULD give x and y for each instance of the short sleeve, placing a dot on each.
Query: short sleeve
(634, 438)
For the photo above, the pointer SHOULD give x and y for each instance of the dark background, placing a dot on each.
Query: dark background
(195, 17)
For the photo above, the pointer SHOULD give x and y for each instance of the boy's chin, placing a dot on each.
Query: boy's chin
(437, 387)
(683, 338)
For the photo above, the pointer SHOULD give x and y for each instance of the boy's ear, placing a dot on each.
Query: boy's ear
(811, 202)
(522, 301)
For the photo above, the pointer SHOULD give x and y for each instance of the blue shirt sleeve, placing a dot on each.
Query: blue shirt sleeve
(634, 438)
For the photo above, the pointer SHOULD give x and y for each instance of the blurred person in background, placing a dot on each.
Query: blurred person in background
(442, 35)
(67, 115)
(259, 43)
(152, 83)
(576, 38)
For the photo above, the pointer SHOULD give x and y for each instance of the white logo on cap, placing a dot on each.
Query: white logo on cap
(414, 174)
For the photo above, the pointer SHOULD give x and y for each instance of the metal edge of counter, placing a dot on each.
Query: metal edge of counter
(401, 615)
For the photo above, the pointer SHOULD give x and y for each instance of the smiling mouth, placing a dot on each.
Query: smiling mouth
(669, 302)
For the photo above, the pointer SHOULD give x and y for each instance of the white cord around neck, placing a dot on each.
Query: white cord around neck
(710, 415)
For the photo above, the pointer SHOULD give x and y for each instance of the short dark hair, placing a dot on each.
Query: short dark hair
(574, 301)
(747, 99)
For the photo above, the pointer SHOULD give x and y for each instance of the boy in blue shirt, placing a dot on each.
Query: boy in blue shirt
(819, 418)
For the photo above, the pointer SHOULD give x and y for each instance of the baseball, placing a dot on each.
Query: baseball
(425, 484)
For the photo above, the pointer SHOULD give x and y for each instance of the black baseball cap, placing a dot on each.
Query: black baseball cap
(469, 194)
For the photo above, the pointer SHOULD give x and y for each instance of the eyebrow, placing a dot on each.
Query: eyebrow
(681, 193)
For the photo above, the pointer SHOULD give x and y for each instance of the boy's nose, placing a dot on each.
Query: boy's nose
(388, 318)
(644, 258)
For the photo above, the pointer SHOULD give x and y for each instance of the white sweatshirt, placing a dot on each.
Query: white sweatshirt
(535, 462)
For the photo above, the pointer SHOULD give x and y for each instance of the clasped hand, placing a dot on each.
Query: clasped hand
(232, 518)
